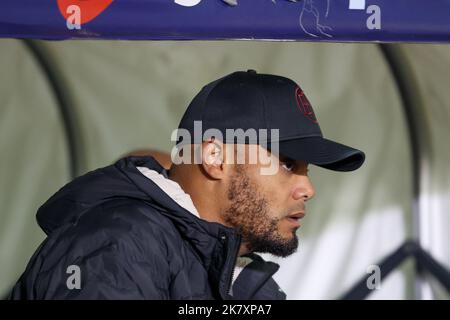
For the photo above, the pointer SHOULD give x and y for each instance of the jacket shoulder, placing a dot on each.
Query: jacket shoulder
(133, 224)
(120, 250)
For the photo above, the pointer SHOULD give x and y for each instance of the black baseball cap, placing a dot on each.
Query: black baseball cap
(249, 100)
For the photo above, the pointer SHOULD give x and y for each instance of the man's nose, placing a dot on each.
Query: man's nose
(303, 189)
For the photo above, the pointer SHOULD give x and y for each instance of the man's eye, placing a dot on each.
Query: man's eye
(288, 166)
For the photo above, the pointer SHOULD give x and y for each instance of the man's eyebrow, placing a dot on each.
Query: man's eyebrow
(283, 158)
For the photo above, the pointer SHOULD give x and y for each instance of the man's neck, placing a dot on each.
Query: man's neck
(207, 207)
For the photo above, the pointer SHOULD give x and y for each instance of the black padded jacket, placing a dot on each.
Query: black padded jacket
(124, 238)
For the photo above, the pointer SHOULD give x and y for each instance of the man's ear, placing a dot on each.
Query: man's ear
(213, 158)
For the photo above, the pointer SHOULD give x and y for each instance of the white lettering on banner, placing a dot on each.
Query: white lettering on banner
(357, 4)
(317, 14)
(74, 20)
(188, 3)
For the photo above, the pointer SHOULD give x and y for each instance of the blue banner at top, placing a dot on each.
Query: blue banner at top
(306, 20)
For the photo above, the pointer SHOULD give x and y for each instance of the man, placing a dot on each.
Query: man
(134, 230)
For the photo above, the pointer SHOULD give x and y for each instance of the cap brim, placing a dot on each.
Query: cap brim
(323, 153)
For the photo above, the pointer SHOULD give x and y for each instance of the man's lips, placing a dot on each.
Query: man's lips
(294, 218)
(297, 215)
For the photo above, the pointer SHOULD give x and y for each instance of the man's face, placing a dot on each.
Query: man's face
(266, 209)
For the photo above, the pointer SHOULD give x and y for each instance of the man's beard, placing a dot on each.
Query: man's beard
(249, 214)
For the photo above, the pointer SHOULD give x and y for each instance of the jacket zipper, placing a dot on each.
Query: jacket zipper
(236, 254)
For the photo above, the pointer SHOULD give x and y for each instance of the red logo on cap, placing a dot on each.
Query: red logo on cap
(304, 105)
